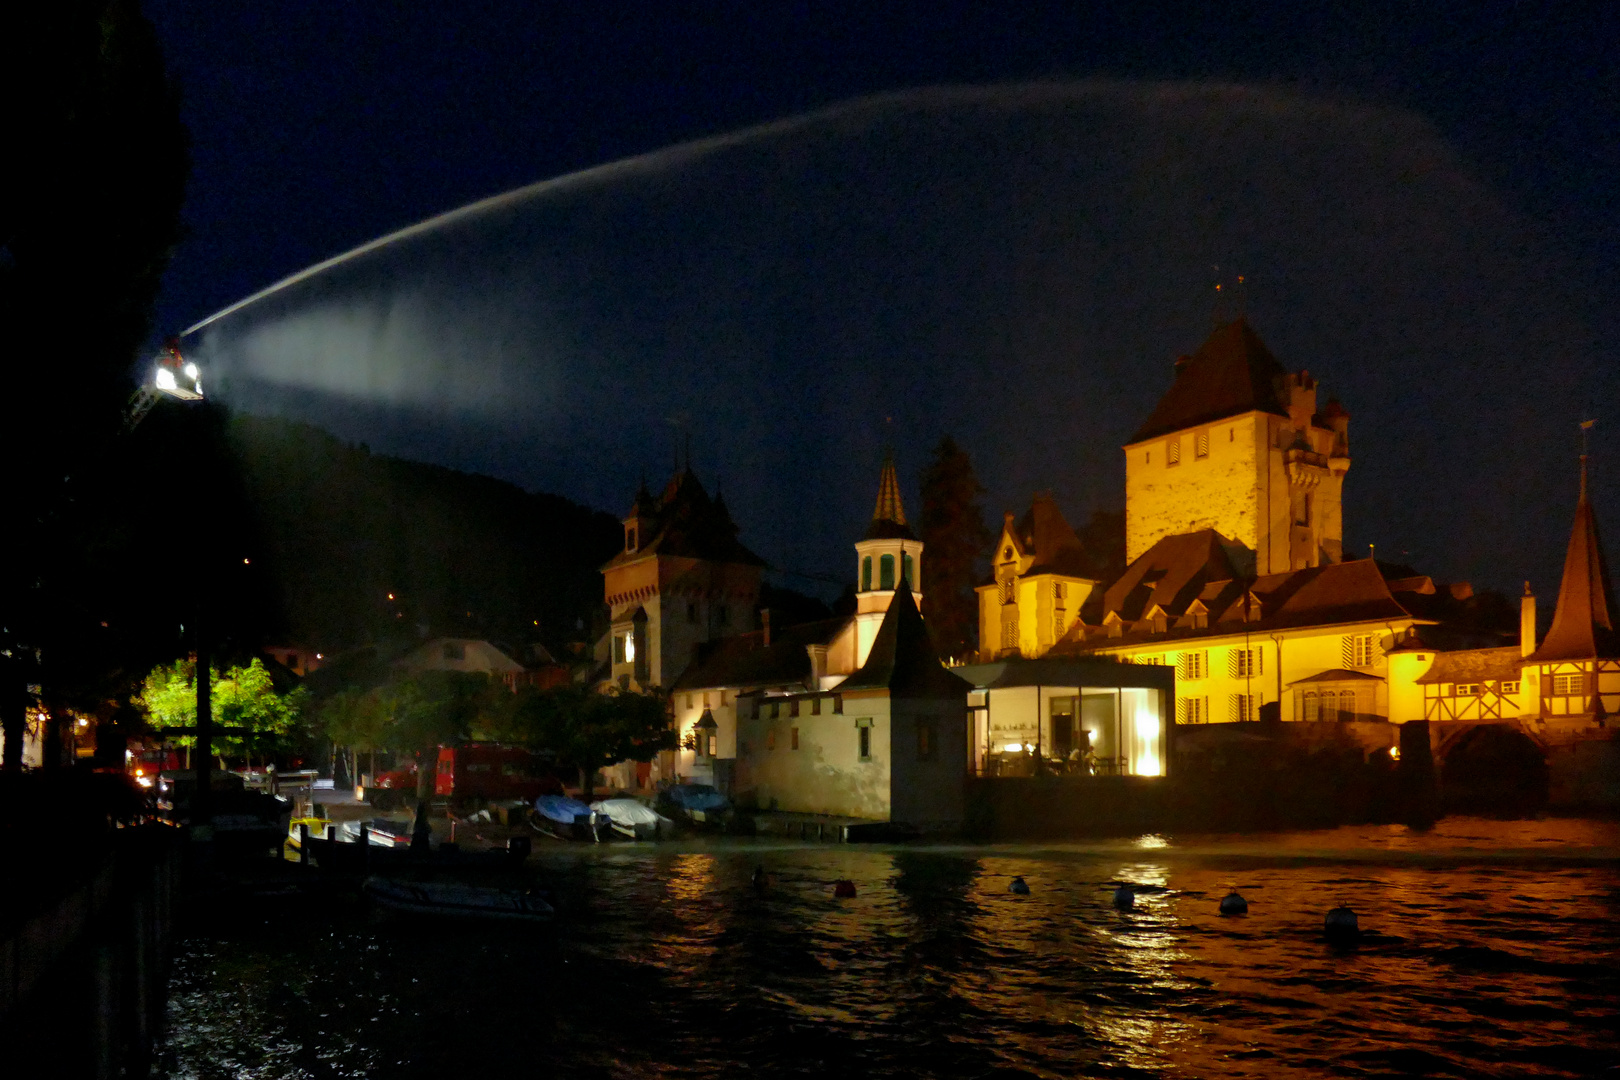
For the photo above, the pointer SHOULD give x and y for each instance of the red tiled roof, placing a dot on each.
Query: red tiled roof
(1583, 622)
(1231, 373)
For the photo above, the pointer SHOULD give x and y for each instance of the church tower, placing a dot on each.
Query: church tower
(1237, 445)
(889, 553)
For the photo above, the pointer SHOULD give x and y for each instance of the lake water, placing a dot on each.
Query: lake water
(1493, 949)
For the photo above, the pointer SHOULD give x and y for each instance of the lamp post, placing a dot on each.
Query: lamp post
(176, 377)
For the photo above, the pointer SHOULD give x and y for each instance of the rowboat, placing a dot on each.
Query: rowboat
(451, 898)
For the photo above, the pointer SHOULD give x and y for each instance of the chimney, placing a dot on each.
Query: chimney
(765, 624)
(1527, 622)
(818, 664)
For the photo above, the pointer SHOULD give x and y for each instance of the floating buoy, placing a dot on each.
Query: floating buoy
(1233, 904)
(1341, 923)
(1019, 886)
(844, 889)
(1124, 898)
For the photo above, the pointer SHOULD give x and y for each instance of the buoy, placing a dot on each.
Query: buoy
(1341, 923)
(1019, 886)
(1233, 904)
(843, 888)
(1124, 898)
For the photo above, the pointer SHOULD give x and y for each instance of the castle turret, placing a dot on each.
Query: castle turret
(889, 553)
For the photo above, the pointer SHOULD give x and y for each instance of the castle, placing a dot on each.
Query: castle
(1237, 604)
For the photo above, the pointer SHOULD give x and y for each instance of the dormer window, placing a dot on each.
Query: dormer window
(630, 537)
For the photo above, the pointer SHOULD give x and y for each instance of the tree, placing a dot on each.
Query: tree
(956, 542)
(244, 698)
(428, 709)
(588, 730)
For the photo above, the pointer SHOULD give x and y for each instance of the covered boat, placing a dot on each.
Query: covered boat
(633, 819)
(456, 899)
(699, 803)
(568, 819)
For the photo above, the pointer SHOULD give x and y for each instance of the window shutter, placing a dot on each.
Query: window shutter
(1233, 708)
(1234, 663)
(1259, 661)
(1183, 665)
(1349, 650)
(1181, 710)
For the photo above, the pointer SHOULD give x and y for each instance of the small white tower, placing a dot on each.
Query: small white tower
(887, 553)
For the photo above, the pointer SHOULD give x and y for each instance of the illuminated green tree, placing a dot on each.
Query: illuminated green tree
(244, 699)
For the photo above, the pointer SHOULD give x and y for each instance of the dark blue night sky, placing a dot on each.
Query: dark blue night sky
(1423, 208)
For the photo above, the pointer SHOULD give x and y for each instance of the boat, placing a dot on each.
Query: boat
(634, 820)
(337, 856)
(566, 819)
(455, 899)
(701, 804)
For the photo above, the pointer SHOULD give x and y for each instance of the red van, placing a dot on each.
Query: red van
(491, 771)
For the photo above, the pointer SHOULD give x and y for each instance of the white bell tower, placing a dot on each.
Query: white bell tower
(887, 553)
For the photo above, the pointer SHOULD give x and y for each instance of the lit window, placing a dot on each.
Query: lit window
(1358, 650)
(1569, 685)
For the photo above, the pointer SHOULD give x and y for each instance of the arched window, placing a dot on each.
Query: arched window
(1347, 705)
(906, 570)
(866, 574)
(886, 572)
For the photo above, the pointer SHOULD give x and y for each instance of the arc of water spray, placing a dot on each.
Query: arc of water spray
(699, 148)
(680, 153)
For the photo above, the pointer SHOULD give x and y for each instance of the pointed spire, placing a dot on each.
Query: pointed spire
(1583, 622)
(888, 500)
(889, 517)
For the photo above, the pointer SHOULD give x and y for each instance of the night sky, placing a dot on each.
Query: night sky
(1009, 239)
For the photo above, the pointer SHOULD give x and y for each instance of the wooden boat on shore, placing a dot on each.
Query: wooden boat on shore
(456, 900)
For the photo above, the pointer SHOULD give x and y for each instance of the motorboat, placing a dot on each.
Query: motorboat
(634, 820)
(701, 804)
(567, 819)
(456, 899)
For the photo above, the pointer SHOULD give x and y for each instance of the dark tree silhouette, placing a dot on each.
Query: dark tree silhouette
(89, 212)
(956, 544)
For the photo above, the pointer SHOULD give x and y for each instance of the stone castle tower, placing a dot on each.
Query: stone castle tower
(1237, 445)
(889, 553)
(683, 579)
